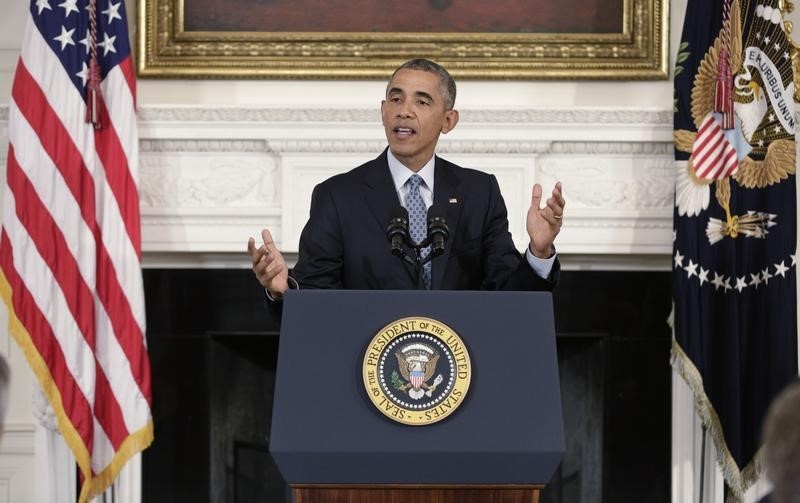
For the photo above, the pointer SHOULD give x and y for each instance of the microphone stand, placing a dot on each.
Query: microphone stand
(418, 261)
(398, 234)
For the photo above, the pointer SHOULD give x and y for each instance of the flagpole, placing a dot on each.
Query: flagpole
(702, 463)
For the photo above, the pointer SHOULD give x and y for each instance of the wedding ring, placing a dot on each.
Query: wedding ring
(557, 217)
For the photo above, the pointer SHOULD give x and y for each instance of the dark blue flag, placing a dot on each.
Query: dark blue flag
(734, 262)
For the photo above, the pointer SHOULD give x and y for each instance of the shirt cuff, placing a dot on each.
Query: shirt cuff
(541, 266)
(293, 285)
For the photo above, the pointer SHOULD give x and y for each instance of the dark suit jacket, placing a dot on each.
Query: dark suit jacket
(344, 243)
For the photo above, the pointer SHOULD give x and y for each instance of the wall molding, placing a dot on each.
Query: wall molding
(149, 145)
(18, 439)
(372, 115)
(17, 461)
(344, 145)
(369, 115)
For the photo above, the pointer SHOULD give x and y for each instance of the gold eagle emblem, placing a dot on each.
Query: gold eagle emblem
(417, 364)
(769, 141)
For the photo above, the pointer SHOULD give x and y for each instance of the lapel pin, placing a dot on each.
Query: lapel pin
(453, 200)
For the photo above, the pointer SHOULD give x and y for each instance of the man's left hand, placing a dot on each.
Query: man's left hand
(544, 224)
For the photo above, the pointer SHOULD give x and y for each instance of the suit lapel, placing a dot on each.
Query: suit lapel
(381, 197)
(447, 196)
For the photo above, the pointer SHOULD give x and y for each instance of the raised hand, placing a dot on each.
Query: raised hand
(544, 224)
(268, 265)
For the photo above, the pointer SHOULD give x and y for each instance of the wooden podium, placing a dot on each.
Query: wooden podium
(415, 494)
(501, 445)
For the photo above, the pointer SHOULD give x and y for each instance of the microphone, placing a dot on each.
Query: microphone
(438, 231)
(397, 230)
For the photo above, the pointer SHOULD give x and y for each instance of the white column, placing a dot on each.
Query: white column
(688, 451)
(53, 460)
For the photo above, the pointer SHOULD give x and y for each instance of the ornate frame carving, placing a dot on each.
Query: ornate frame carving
(166, 50)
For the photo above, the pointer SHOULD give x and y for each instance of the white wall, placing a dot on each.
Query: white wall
(17, 477)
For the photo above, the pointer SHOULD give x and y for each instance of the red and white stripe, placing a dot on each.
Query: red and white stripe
(713, 156)
(70, 254)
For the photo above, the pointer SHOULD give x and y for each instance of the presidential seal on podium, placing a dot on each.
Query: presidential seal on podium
(417, 371)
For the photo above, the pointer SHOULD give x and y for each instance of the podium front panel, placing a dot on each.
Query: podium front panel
(508, 430)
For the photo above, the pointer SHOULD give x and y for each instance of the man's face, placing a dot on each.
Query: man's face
(413, 114)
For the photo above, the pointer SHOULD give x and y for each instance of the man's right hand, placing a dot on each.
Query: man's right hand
(268, 265)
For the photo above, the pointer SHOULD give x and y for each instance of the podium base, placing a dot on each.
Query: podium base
(397, 493)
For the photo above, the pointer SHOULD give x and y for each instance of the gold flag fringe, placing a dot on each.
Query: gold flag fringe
(134, 443)
(738, 481)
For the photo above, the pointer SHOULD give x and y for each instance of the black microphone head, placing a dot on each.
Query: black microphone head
(438, 232)
(397, 230)
(437, 221)
(398, 212)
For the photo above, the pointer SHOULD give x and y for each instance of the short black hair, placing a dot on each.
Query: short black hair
(445, 79)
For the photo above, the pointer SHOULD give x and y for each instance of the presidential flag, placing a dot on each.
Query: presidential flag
(70, 250)
(734, 265)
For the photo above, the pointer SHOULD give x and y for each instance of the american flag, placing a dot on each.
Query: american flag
(70, 250)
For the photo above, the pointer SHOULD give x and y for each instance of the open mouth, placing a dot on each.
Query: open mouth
(404, 131)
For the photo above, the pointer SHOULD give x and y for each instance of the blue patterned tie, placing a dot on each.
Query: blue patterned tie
(417, 213)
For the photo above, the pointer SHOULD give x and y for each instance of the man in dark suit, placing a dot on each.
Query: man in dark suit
(344, 243)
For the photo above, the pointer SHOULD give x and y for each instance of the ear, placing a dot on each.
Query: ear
(450, 121)
(383, 112)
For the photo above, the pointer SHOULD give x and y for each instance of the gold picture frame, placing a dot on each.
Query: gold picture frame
(165, 49)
